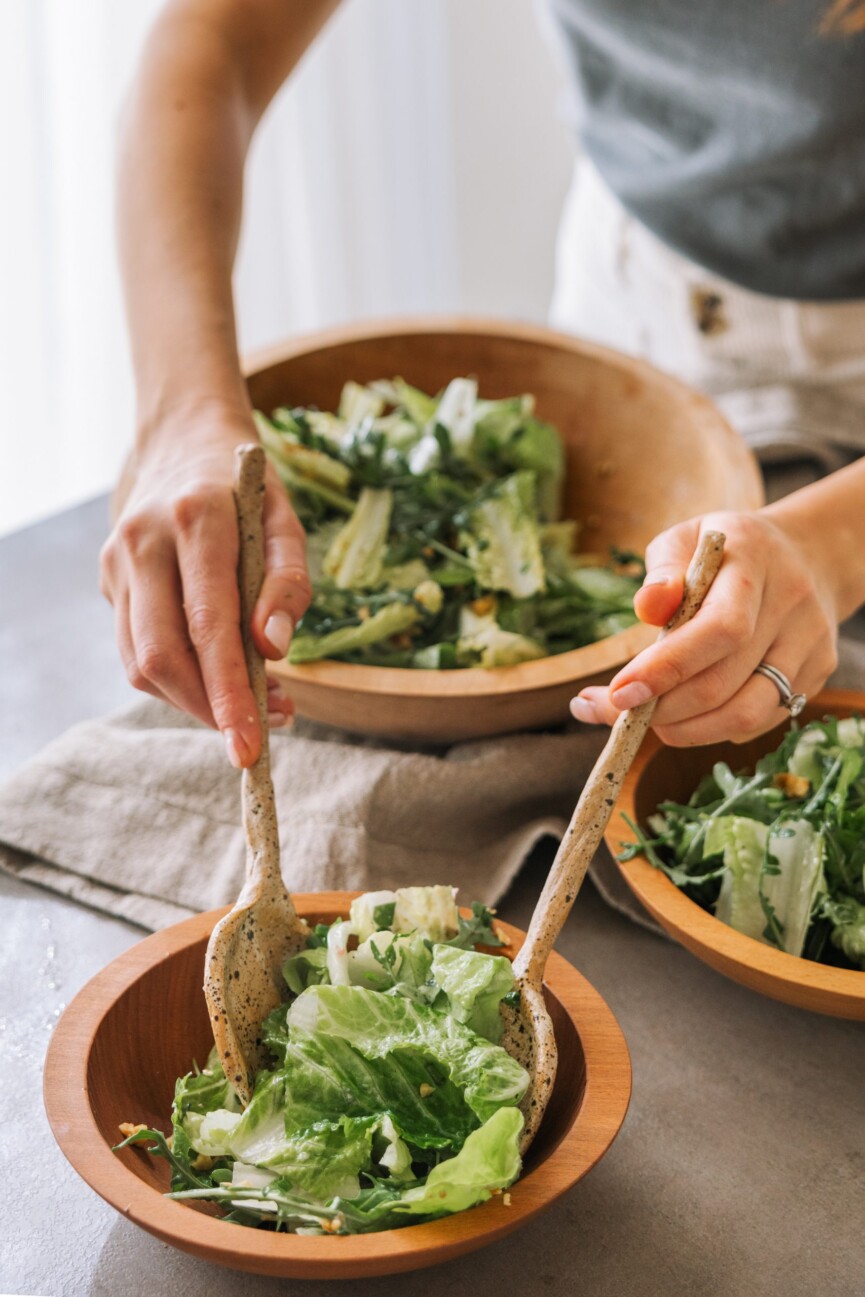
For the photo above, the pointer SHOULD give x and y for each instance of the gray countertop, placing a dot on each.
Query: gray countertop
(741, 1166)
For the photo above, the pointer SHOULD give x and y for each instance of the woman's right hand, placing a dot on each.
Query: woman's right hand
(169, 568)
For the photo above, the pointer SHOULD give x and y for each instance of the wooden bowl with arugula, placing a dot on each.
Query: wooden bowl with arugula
(752, 856)
(476, 497)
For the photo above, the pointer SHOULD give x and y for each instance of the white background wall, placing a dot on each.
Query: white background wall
(417, 162)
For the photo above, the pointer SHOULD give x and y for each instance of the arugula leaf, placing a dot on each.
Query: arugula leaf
(478, 930)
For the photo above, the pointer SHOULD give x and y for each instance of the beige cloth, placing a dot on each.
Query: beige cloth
(138, 814)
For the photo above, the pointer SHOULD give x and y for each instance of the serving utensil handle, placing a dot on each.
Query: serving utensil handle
(595, 806)
(257, 798)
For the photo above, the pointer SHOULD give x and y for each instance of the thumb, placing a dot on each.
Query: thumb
(286, 590)
(667, 559)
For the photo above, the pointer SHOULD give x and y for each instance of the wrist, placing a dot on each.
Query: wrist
(192, 419)
(826, 523)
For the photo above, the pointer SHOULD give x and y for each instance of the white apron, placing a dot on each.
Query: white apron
(790, 376)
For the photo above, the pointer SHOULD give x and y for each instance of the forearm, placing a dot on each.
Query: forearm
(207, 74)
(827, 521)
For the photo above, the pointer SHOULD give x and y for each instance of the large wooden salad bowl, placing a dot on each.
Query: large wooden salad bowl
(643, 452)
(671, 774)
(142, 1021)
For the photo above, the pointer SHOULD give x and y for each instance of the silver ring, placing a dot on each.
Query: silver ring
(792, 701)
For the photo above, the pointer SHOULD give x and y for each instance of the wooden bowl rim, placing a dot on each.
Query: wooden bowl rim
(605, 1102)
(549, 672)
(689, 923)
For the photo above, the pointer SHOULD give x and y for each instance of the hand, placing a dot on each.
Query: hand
(769, 602)
(169, 568)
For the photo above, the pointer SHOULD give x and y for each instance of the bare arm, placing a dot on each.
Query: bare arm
(208, 72)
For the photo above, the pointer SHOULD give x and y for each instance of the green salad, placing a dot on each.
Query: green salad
(389, 1100)
(434, 531)
(778, 853)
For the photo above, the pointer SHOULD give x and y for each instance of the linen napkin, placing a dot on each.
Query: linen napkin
(138, 814)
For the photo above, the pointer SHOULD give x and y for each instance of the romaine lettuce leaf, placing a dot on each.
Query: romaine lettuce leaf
(474, 985)
(325, 1078)
(502, 539)
(743, 843)
(378, 1025)
(791, 879)
(430, 911)
(488, 1160)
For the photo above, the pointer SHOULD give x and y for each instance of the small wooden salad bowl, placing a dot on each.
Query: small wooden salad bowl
(671, 774)
(142, 1021)
(643, 452)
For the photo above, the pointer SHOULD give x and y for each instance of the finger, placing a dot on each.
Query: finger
(592, 706)
(667, 559)
(725, 625)
(280, 708)
(163, 652)
(207, 551)
(126, 648)
(710, 689)
(754, 709)
(286, 591)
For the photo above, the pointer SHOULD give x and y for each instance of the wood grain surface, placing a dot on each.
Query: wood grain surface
(142, 1021)
(643, 452)
(671, 774)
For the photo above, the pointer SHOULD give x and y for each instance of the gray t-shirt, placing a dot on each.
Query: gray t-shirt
(734, 129)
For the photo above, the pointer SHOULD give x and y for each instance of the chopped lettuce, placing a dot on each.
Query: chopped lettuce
(779, 852)
(848, 928)
(377, 1025)
(502, 539)
(356, 557)
(393, 619)
(420, 507)
(474, 986)
(482, 639)
(389, 1099)
(743, 843)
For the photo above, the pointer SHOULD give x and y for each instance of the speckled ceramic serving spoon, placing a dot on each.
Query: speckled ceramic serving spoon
(529, 1035)
(247, 948)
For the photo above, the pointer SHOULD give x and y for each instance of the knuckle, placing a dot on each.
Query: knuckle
(231, 704)
(748, 716)
(134, 533)
(135, 675)
(295, 583)
(711, 687)
(735, 629)
(196, 502)
(674, 672)
(155, 662)
(206, 625)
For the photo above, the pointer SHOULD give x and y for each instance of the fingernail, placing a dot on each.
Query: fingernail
(655, 580)
(279, 720)
(583, 710)
(279, 629)
(236, 748)
(631, 695)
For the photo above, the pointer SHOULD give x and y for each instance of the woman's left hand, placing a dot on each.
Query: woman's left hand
(770, 602)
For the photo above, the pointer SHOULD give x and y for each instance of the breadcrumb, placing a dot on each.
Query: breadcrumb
(791, 785)
(128, 1128)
